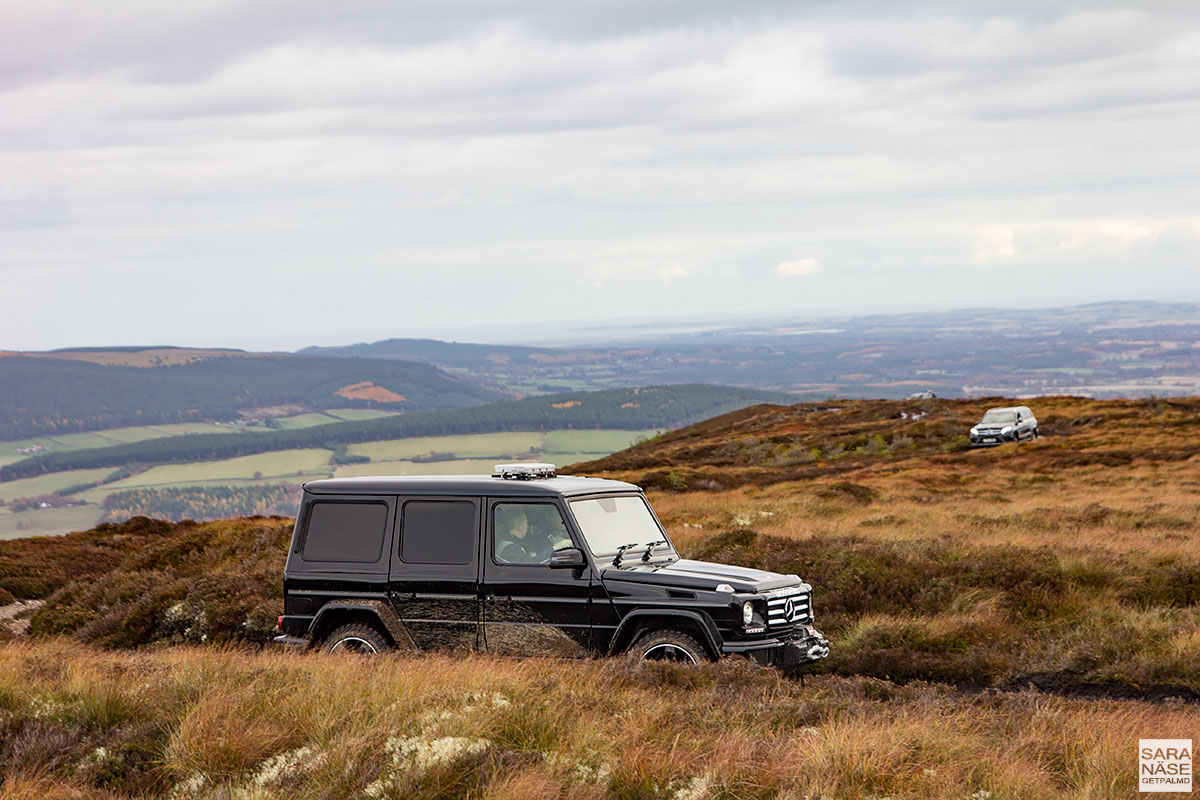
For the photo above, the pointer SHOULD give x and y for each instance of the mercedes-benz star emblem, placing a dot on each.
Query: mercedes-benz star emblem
(789, 609)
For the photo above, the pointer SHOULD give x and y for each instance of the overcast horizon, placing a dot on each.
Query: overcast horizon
(311, 174)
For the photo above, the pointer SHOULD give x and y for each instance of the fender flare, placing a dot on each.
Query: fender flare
(712, 637)
(382, 612)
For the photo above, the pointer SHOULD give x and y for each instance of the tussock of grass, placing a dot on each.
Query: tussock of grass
(218, 723)
(218, 581)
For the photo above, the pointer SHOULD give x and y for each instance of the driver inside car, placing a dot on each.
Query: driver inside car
(522, 541)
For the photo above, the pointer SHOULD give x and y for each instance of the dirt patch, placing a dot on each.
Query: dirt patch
(1069, 685)
(14, 617)
(370, 391)
(566, 404)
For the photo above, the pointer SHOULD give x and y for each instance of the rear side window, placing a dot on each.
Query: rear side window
(436, 532)
(350, 532)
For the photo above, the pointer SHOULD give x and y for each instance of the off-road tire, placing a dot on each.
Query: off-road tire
(355, 637)
(669, 645)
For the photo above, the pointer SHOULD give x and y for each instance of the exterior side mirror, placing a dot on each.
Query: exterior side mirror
(567, 557)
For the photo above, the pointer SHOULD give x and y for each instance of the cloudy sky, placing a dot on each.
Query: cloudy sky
(276, 174)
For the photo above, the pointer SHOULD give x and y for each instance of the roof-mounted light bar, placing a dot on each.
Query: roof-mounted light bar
(523, 472)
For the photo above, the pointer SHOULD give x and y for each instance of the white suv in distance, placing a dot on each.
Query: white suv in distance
(1000, 425)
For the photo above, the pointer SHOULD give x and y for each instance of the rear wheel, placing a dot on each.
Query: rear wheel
(356, 637)
(670, 645)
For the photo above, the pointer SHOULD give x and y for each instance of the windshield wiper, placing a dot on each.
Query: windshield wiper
(621, 552)
(650, 547)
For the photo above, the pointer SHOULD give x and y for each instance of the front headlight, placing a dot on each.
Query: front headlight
(974, 431)
(1007, 429)
(747, 612)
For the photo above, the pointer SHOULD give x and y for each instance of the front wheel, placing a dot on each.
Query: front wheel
(355, 637)
(670, 645)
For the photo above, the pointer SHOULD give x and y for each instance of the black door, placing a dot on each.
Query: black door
(435, 570)
(529, 607)
(341, 551)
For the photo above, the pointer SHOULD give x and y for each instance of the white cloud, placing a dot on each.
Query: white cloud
(995, 243)
(535, 147)
(799, 267)
(672, 273)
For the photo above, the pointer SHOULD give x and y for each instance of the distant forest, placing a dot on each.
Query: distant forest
(47, 396)
(625, 409)
(202, 502)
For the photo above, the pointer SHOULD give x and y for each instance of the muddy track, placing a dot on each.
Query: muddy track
(1068, 684)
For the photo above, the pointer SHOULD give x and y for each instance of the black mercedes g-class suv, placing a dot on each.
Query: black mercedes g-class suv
(527, 563)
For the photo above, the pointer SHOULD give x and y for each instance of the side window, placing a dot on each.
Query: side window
(345, 532)
(527, 533)
(438, 532)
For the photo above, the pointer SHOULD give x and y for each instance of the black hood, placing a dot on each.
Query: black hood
(703, 575)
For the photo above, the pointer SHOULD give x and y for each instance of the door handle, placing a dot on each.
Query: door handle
(404, 597)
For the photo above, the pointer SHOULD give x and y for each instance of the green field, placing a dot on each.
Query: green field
(467, 446)
(474, 454)
(592, 441)
(48, 484)
(48, 521)
(304, 421)
(464, 466)
(110, 436)
(491, 445)
(278, 464)
(355, 414)
(461, 466)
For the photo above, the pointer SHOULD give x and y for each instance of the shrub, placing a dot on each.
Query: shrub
(217, 581)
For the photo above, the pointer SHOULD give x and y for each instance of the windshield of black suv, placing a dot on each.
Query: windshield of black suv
(996, 415)
(609, 522)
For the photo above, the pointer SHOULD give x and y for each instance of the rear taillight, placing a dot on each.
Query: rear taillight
(279, 624)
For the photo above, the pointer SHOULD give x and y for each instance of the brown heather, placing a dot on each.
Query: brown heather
(221, 723)
(949, 580)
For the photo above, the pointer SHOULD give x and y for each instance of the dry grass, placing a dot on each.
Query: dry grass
(1070, 563)
(217, 581)
(213, 723)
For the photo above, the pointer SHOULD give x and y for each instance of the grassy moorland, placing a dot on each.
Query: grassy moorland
(1071, 560)
(1005, 624)
(218, 723)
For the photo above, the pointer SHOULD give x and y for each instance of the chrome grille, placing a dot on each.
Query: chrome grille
(782, 601)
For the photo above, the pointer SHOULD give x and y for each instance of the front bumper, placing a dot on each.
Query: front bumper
(992, 439)
(804, 645)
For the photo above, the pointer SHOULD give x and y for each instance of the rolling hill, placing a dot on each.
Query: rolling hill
(89, 389)
(627, 409)
(767, 444)
(1004, 623)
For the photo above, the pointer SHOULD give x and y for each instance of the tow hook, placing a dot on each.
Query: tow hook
(815, 645)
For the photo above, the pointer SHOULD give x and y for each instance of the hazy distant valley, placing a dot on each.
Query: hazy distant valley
(107, 433)
(1123, 349)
